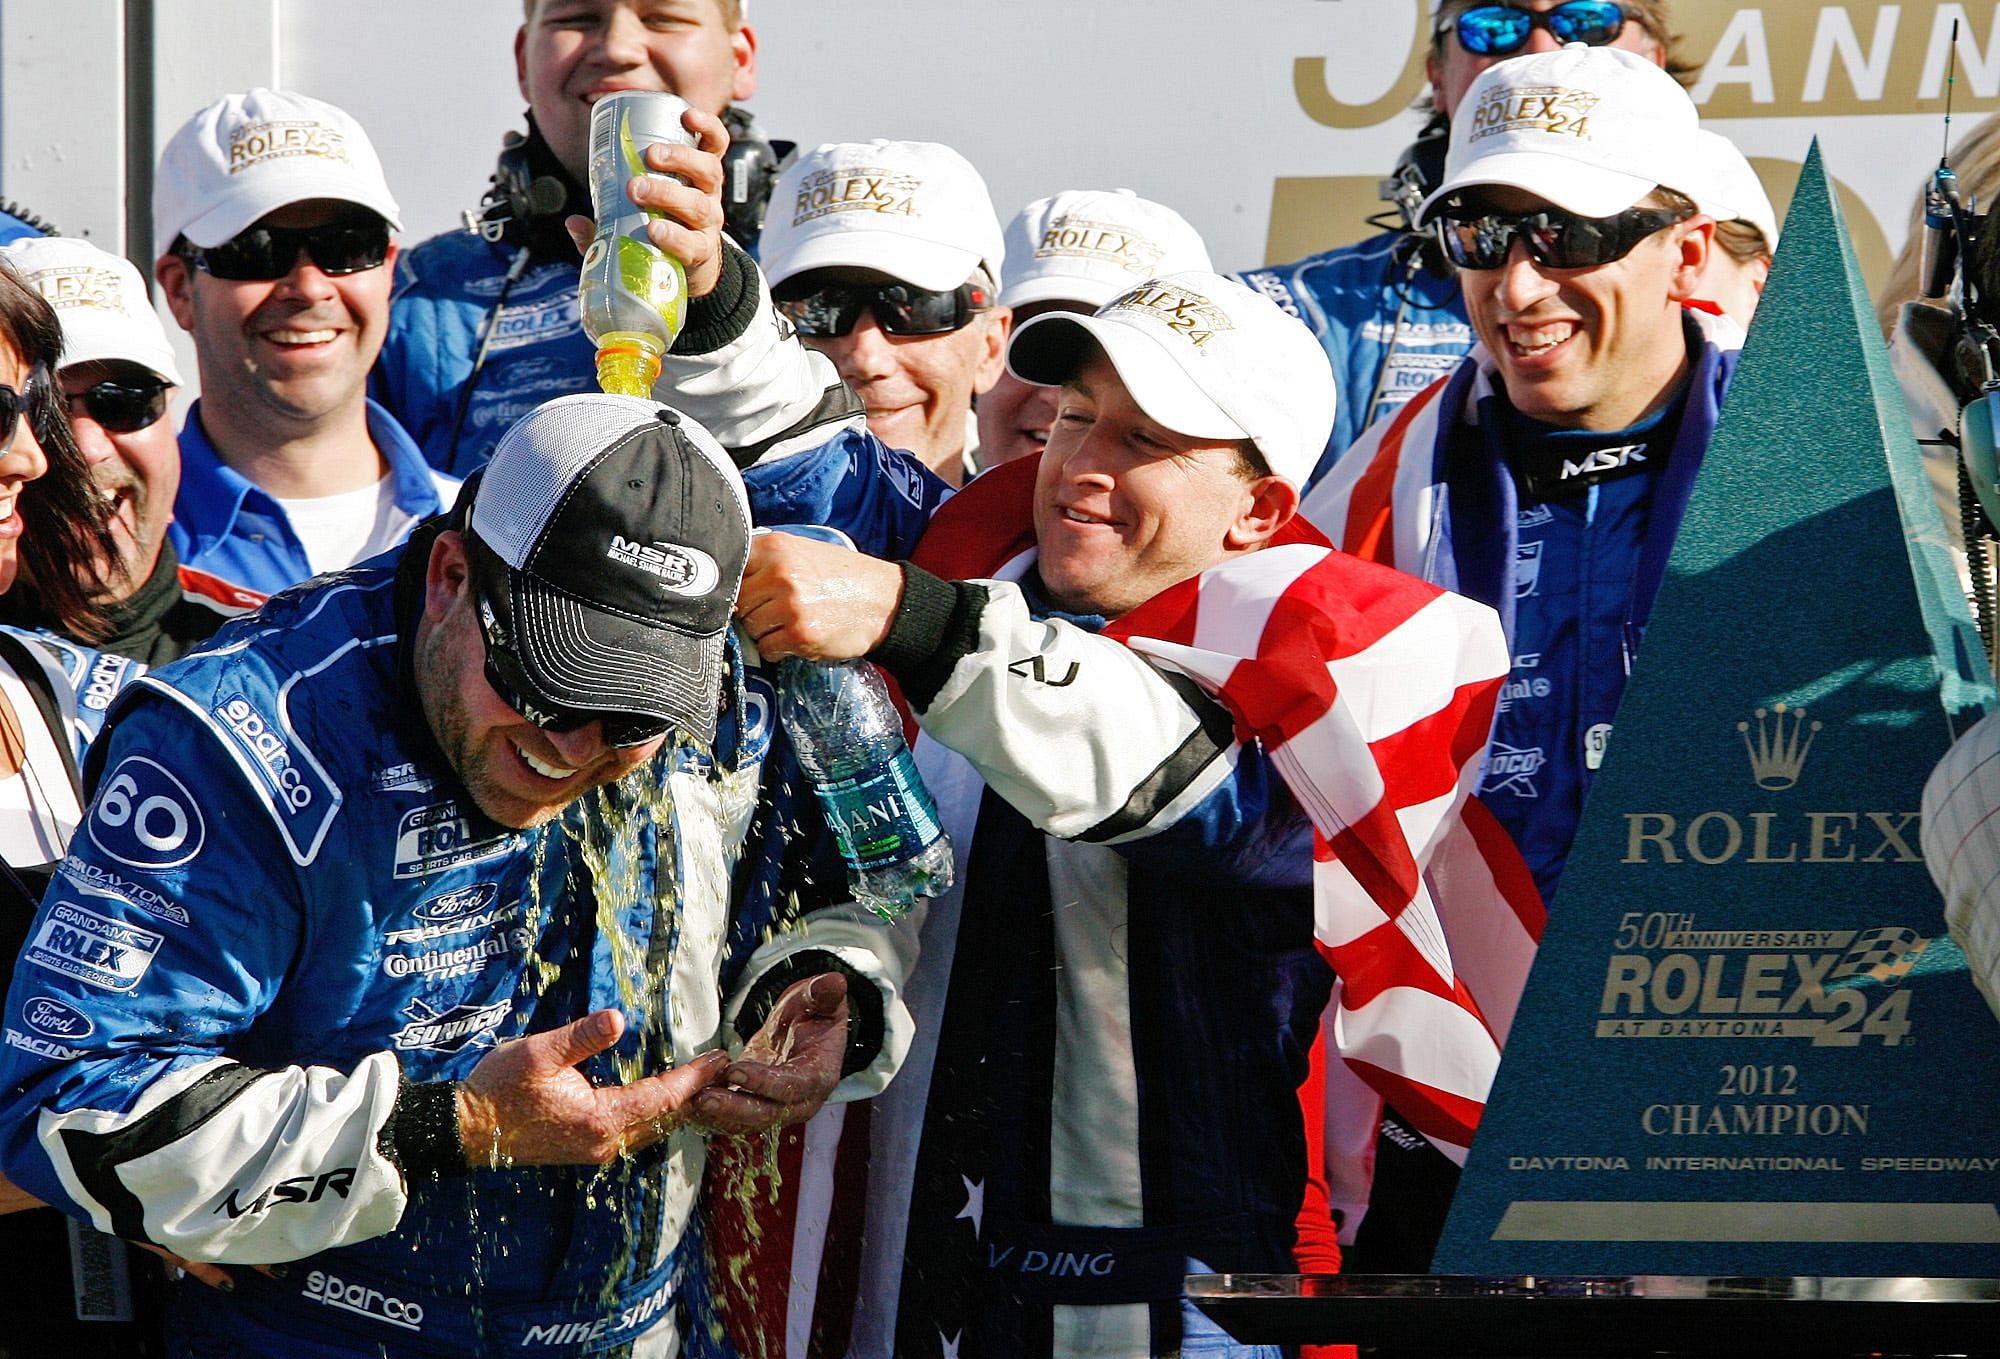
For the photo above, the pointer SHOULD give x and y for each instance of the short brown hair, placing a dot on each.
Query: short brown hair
(1650, 15)
(731, 10)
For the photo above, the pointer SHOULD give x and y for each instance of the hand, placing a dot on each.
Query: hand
(527, 1104)
(790, 1067)
(690, 226)
(804, 597)
(215, 1276)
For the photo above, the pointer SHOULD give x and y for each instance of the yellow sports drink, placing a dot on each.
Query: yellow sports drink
(633, 294)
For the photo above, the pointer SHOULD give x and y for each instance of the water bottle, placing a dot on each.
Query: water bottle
(633, 294)
(849, 737)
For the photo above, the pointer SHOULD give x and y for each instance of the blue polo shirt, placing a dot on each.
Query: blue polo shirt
(228, 526)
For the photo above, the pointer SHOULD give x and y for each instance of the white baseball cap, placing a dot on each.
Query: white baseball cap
(916, 211)
(1591, 129)
(249, 154)
(1733, 193)
(100, 300)
(1088, 246)
(1203, 355)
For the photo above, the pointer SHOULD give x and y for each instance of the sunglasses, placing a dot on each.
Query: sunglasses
(899, 308)
(1554, 238)
(620, 729)
(266, 253)
(123, 407)
(35, 398)
(1497, 30)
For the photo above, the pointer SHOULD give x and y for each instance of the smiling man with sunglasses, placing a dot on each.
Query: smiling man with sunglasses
(886, 257)
(118, 375)
(278, 235)
(1387, 309)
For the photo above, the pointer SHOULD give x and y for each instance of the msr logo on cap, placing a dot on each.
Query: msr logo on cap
(681, 570)
(856, 189)
(1554, 109)
(80, 286)
(256, 142)
(1195, 318)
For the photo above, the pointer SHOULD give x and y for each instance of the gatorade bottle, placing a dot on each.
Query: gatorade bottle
(633, 294)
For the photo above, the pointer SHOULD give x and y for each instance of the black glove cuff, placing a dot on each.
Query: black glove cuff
(422, 1134)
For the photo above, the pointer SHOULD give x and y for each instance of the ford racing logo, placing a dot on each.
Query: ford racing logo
(465, 901)
(56, 1019)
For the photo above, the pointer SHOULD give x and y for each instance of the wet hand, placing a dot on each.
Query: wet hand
(804, 597)
(789, 1068)
(527, 1104)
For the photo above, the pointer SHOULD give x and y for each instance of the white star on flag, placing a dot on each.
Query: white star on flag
(975, 1204)
(949, 1346)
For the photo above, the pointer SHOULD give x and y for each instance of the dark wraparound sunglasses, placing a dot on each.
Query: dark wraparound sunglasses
(1497, 30)
(36, 398)
(1555, 239)
(899, 308)
(620, 729)
(266, 253)
(123, 407)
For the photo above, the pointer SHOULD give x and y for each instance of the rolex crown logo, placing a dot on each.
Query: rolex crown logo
(1778, 746)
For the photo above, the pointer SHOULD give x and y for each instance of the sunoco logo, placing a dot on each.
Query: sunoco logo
(681, 570)
(1512, 770)
(56, 1019)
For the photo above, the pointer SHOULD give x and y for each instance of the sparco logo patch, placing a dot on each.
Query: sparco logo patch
(268, 749)
(91, 948)
(1553, 109)
(855, 189)
(363, 1301)
(1189, 315)
(681, 570)
(254, 143)
(108, 675)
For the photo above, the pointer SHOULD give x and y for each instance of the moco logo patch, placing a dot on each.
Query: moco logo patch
(145, 817)
(681, 570)
(1191, 316)
(96, 951)
(1080, 238)
(268, 750)
(255, 143)
(1553, 109)
(855, 189)
(439, 836)
(81, 286)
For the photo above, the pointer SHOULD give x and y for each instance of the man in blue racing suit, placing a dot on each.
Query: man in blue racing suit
(343, 854)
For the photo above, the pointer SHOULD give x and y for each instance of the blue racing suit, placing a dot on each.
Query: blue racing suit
(1390, 323)
(285, 928)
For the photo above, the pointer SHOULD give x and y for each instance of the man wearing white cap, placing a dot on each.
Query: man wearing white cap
(1114, 1006)
(118, 374)
(1074, 251)
(886, 256)
(277, 231)
(1746, 230)
(1387, 309)
(1567, 444)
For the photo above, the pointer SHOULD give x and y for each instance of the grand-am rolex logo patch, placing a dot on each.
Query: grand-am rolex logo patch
(855, 188)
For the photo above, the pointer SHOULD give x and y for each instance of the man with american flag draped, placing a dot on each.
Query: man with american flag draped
(1190, 756)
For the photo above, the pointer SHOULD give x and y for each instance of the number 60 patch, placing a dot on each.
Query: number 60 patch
(145, 817)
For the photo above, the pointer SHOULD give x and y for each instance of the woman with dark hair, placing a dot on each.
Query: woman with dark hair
(50, 519)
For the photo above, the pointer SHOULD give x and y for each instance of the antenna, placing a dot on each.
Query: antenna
(1944, 213)
(1950, 79)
